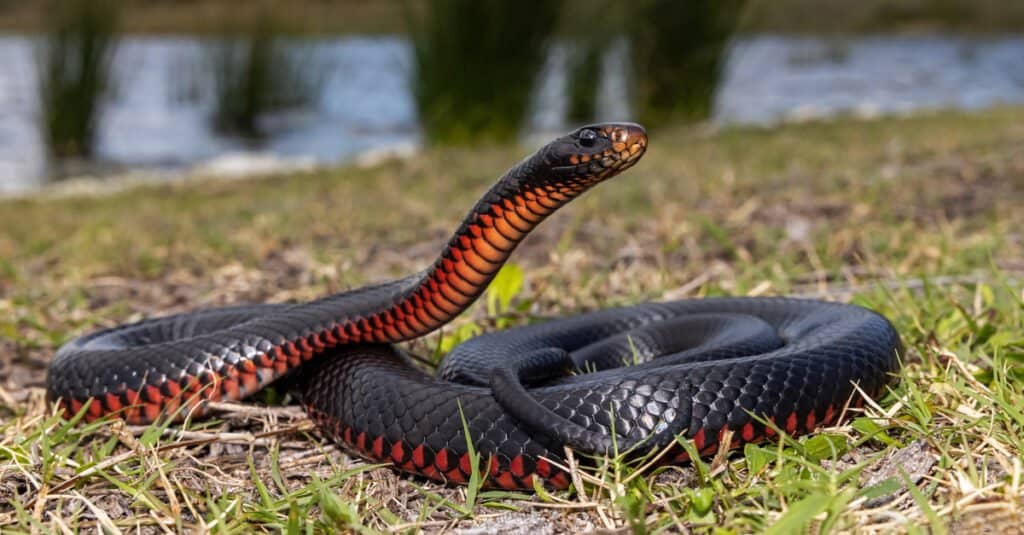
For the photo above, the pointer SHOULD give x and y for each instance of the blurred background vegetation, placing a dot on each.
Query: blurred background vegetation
(474, 67)
(678, 50)
(386, 16)
(74, 72)
(252, 71)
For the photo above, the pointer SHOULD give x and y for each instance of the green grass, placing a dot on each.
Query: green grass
(918, 218)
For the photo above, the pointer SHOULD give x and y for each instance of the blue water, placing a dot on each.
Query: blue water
(158, 117)
(771, 79)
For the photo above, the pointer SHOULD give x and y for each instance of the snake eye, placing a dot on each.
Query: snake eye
(587, 137)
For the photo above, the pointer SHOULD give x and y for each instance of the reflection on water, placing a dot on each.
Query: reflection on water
(768, 79)
(22, 160)
(158, 117)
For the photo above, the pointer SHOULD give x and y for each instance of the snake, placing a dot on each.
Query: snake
(509, 406)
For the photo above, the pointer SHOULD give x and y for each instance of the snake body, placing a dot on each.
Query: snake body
(701, 370)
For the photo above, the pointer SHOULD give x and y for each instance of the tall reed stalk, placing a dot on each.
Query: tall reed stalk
(584, 79)
(475, 64)
(591, 26)
(678, 51)
(74, 72)
(256, 71)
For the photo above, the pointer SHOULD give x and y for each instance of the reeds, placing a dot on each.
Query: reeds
(255, 70)
(584, 79)
(475, 64)
(74, 72)
(591, 27)
(678, 50)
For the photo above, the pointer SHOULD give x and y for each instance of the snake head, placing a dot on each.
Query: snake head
(595, 153)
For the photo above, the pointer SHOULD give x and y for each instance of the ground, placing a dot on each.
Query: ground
(917, 217)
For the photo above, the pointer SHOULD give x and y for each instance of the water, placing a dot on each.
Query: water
(771, 79)
(22, 159)
(158, 118)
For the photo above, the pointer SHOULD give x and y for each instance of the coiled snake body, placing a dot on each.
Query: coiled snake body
(722, 364)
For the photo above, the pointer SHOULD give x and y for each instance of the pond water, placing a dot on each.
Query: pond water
(770, 79)
(157, 119)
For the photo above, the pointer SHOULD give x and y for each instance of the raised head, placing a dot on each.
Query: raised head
(573, 163)
(594, 153)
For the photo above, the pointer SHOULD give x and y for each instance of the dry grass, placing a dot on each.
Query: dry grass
(918, 218)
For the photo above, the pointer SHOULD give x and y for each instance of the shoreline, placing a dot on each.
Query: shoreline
(244, 165)
(234, 165)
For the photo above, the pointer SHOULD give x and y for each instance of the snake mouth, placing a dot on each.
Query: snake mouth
(629, 143)
(634, 146)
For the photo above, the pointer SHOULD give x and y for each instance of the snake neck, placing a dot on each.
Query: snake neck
(518, 202)
(489, 233)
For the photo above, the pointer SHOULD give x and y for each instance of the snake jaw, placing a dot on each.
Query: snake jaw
(628, 143)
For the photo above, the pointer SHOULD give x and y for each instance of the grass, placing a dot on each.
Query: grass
(918, 218)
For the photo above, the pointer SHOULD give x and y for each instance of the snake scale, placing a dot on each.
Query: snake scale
(699, 370)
